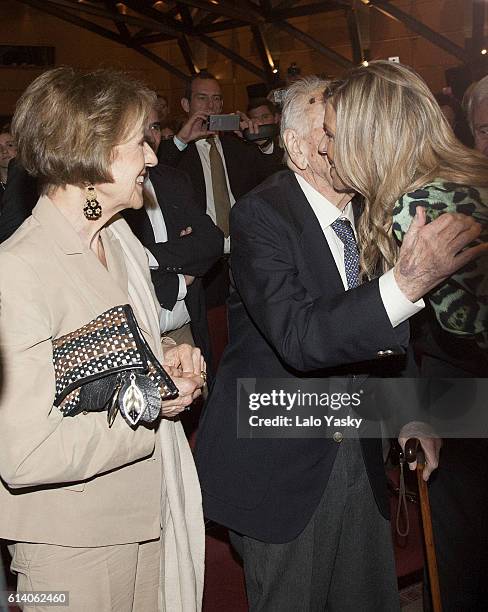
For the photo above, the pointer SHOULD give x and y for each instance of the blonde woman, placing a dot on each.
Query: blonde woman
(386, 138)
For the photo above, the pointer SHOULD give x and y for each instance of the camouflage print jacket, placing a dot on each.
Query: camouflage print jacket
(461, 303)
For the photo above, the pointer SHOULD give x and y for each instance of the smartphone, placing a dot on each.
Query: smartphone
(223, 123)
(266, 132)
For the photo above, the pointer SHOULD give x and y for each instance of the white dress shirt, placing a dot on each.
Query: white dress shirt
(397, 306)
(203, 148)
(168, 319)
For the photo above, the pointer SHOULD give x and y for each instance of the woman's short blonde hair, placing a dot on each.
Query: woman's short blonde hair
(67, 124)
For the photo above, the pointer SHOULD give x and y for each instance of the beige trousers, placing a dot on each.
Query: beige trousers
(119, 578)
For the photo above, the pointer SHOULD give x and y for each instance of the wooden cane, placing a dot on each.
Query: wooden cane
(414, 452)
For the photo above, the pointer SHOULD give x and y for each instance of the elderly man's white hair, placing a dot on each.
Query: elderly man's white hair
(474, 95)
(298, 98)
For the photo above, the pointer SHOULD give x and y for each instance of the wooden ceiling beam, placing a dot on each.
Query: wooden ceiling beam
(187, 54)
(393, 12)
(308, 40)
(263, 51)
(354, 35)
(120, 25)
(45, 6)
(223, 8)
(171, 26)
(241, 61)
(220, 26)
(304, 10)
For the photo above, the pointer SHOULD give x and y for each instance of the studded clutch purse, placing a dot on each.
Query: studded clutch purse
(108, 365)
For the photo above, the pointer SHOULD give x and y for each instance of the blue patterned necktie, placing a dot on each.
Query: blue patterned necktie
(343, 229)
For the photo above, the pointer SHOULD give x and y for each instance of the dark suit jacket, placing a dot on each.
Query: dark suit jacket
(289, 318)
(19, 199)
(193, 254)
(246, 165)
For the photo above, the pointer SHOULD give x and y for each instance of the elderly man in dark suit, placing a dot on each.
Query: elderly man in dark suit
(182, 245)
(222, 167)
(309, 516)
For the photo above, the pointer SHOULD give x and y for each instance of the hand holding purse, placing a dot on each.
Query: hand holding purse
(108, 365)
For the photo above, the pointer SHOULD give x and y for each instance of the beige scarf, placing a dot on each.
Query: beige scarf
(183, 536)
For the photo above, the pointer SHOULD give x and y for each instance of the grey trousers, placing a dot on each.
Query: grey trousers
(343, 560)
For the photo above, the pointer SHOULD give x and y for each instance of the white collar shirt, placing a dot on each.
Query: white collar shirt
(397, 306)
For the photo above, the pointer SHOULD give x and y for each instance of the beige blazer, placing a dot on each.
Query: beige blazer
(73, 481)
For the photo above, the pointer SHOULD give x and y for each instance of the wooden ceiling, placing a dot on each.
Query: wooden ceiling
(139, 23)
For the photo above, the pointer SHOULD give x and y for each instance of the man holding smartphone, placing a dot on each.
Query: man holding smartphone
(221, 166)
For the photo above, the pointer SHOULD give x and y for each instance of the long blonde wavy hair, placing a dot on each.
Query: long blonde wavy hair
(392, 138)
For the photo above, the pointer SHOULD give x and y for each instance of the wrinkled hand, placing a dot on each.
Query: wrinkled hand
(432, 252)
(189, 388)
(431, 445)
(185, 364)
(195, 128)
(185, 358)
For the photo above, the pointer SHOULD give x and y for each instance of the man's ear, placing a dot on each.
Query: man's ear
(185, 105)
(293, 147)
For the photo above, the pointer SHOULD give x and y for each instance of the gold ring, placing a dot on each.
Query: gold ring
(203, 374)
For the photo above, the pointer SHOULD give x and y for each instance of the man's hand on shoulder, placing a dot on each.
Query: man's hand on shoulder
(432, 252)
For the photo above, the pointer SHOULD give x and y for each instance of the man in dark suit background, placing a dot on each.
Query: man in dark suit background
(309, 516)
(264, 112)
(182, 245)
(222, 167)
(20, 197)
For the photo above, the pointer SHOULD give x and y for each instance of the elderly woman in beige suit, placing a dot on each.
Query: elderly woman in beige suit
(112, 515)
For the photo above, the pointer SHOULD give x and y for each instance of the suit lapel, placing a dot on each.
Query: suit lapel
(238, 177)
(165, 197)
(107, 287)
(145, 231)
(140, 224)
(193, 165)
(314, 245)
